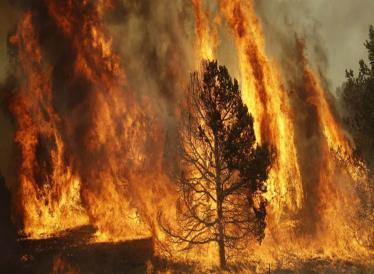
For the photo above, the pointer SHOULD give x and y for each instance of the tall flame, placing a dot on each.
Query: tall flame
(49, 190)
(338, 201)
(102, 173)
(99, 159)
(267, 100)
(206, 35)
(332, 194)
(115, 146)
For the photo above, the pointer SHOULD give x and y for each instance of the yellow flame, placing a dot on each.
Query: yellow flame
(263, 92)
(205, 33)
(53, 203)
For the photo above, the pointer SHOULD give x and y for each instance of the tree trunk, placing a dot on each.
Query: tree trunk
(219, 195)
(221, 238)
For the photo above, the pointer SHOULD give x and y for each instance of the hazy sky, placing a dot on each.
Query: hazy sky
(344, 26)
(340, 26)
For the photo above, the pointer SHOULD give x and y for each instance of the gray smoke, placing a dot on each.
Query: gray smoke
(339, 28)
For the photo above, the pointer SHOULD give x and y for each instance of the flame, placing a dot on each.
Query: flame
(101, 162)
(121, 128)
(95, 185)
(338, 200)
(49, 190)
(205, 33)
(267, 100)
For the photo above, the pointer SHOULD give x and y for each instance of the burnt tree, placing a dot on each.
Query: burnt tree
(222, 171)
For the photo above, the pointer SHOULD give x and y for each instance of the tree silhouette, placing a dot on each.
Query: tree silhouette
(358, 101)
(222, 171)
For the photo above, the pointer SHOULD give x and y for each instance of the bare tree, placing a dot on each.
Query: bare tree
(222, 171)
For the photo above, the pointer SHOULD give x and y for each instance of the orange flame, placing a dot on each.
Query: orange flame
(110, 173)
(49, 190)
(267, 100)
(120, 131)
(206, 34)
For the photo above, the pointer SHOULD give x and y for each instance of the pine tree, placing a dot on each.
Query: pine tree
(222, 170)
(358, 101)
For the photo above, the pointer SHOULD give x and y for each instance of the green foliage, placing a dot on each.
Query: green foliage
(358, 100)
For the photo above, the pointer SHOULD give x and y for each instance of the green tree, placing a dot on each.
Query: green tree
(222, 171)
(358, 102)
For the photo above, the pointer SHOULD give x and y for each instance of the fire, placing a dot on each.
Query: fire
(271, 105)
(338, 201)
(99, 159)
(115, 145)
(267, 100)
(334, 135)
(105, 163)
(205, 33)
(49, 190)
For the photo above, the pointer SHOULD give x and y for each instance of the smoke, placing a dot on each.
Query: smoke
(303, 35)
(7, 22)
(157, 37)
(108, 116)
(334, 31)
(112, 81)
(155, 42)
(285, 38)
(153, 39)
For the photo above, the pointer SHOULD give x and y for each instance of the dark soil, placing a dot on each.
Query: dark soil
(71, 252)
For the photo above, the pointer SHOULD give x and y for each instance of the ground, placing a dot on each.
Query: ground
(72, 253)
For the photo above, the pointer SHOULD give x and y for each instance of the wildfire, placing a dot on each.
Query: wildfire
(288, 191)
(267, 100)
(120, 130)
(94, 185)
(49, 191)
(338, 202)
(205, 33)
(99, 159)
